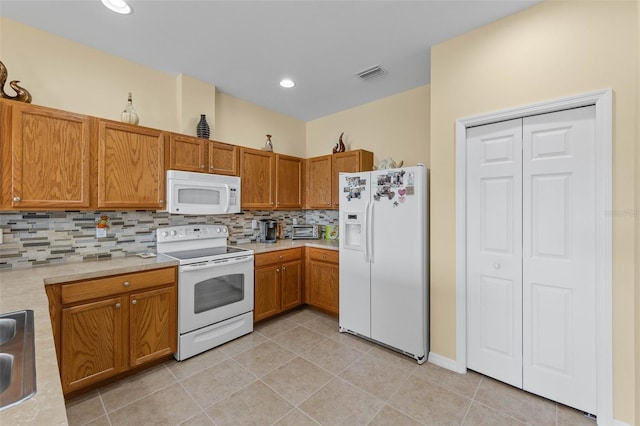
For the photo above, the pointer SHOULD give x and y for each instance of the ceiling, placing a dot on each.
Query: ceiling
(246, 47)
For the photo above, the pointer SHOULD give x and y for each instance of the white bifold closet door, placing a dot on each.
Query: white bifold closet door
(531, 228)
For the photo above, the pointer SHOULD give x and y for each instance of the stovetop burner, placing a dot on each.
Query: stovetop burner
(197, 243)
(205, 252)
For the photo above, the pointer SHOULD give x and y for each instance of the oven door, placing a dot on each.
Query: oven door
(214, 291)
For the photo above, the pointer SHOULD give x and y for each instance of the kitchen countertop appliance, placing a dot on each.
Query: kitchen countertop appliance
(305, 232)
(215, 286)
(383, 258)
(268, 231)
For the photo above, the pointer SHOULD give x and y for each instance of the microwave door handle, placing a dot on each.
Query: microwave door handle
(226, 207)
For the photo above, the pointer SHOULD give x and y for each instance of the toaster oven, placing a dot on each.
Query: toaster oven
(305, 232)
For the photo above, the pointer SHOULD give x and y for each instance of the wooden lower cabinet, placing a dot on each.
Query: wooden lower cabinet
(278, 282)
(92, 340)
(322, 279)
(106, 326)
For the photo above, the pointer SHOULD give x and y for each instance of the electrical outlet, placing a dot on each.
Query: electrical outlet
(295, 220)
(254, 224)
(1, 235)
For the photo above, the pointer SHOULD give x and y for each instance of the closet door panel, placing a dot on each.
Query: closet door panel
(494, 250)
(559, 236)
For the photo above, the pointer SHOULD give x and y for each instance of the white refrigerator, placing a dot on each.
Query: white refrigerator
(384, 292)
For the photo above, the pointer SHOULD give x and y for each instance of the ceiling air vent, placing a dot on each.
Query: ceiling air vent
(370, 72)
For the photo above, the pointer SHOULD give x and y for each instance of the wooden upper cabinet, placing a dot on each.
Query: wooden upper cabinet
(50, 158)
(318, 177)
(257, 173)
(187, 153)
(223, 158)
(131, 171)
(289, 178)
(350, 161)
(193, 154)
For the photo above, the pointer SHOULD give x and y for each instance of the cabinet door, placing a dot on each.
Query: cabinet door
(50, 158)
(93, 346)
(187, 153)
(257, 172)
(291, 284)
(266, 292)
(323, 286)
(318, 177)
(347, 162)
(288, 182)
(131, 172)
(153, 330)
(223, 159)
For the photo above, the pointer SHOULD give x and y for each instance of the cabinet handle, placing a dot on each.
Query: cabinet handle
(117, 306)
(271, 203)
(210, 167)
(280, 257)
(126, 283)
(328, 204)
(17, 199)
(324, 256)
(161, 202)
(134, 302)
(277, 270)
(284, 268)
(202, 166)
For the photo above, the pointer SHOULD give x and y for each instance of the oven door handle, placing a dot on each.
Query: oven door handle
(218, 263)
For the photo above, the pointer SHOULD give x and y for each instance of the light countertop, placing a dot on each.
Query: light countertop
(24, 289)
(287, 244)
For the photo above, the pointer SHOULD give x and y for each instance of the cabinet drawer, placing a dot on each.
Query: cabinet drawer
(332, 256)
(277, 256)
(108, 286)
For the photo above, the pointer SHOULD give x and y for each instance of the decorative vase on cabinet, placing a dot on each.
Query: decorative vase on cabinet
(129, 115)
(202, 130)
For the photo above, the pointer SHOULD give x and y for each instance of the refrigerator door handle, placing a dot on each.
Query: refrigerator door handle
(364, 233)
(369, 233)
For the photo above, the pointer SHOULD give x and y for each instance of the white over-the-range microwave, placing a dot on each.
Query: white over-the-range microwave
(192, 193)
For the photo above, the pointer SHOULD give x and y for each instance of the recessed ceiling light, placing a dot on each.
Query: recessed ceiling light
(118, 6)
(287, 83)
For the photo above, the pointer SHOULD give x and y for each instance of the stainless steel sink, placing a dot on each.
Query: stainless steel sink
(17, 358)
(7, 329)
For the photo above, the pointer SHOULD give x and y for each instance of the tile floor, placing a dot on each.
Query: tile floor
(299, 370)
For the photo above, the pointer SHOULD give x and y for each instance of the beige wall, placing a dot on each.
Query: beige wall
(396, 127)
(63, 74)
(246, 124)
(551, 50)
(637, 216)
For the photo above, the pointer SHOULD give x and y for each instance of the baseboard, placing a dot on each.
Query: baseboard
(619, 423)
(447, 363)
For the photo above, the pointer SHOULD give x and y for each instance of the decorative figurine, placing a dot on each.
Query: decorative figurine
(268, 146)
(341, 147)
(22, 94)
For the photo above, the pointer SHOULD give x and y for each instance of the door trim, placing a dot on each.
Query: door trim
(602, 100)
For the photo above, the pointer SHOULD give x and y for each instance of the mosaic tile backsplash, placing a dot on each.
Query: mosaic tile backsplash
(35, 238)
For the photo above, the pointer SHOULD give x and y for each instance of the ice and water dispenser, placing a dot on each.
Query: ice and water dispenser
(353, 238)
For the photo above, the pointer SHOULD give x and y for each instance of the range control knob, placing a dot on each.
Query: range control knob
(218, 230)
(224, 230)
(164, 234)
(173, 233)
